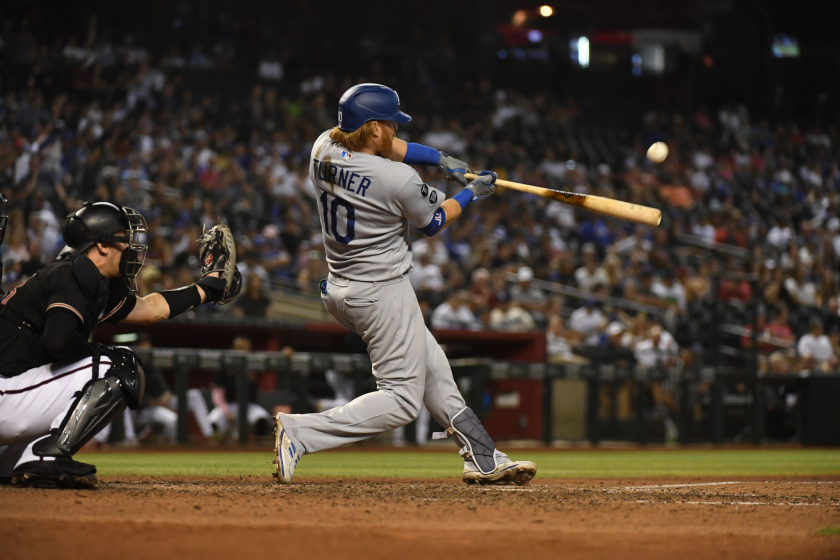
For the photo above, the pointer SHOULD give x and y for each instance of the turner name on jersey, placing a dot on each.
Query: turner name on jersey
(340, 177)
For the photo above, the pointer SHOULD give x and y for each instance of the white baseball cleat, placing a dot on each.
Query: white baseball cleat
(287, 453)
(518, 473)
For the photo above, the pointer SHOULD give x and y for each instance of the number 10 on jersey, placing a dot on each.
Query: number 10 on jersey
(330, 213)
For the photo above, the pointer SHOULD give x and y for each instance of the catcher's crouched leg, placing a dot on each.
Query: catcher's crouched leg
(99, 401)
(483, 463)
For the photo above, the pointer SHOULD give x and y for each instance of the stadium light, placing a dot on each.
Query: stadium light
(583, 52)
(519, 17)
(546, 11)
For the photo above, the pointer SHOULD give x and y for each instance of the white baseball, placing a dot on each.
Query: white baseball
(657, 152)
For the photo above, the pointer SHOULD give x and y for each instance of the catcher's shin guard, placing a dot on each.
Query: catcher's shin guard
(475, 442)
(101, 400)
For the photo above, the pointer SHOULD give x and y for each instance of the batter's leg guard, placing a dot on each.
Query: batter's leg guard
(475, 442)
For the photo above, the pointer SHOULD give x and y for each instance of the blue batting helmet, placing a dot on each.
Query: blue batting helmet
(368, 102)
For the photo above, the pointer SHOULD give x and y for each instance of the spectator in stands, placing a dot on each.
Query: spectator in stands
(614, 345)
(270, 68)
(35, 261)
(800, 289)
(588, 321)
(658, 350)
(778, 364)
(773, 283)
(455, 313)
(481, 292)
(527, 296)
(642, 290)
(508, 316)
(778, 329)
(250, 265)
(815, 349)
(253, 302)
(780, 234)
(224, 418)
(670, 290)
(560, 342)
(661, 350)
(698, 287)
(735, 292)
(614, 270)
(425, 274)
(590, 275)
(772, 336)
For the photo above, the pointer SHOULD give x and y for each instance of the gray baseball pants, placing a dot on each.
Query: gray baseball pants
(409, 365)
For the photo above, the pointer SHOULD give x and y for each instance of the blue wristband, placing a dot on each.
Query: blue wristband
(437, 223)
(463, 198)
(418, 154)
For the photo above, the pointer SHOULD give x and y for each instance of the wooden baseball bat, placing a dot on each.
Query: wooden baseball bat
(598, 204)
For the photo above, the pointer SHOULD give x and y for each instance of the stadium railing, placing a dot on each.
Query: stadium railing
(814, 416)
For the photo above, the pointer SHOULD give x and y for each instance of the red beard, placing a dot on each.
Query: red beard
(386, 147)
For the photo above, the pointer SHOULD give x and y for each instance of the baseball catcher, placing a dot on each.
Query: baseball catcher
(57, 390)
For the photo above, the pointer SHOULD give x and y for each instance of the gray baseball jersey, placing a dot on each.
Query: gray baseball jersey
(366, 203)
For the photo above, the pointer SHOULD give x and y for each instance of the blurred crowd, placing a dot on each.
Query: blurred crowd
(89, 118)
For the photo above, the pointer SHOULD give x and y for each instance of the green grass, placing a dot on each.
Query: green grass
(828, 532)
(551, 464)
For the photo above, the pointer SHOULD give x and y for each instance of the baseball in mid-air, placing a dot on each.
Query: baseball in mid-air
(657, 152)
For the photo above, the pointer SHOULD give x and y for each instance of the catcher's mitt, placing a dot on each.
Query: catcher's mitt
(217, 252)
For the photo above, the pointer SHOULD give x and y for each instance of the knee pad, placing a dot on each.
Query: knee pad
(475, 442)
(128, 370)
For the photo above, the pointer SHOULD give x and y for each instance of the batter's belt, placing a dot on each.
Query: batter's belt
(334, 275)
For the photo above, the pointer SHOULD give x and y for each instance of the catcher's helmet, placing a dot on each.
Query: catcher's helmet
(368, 102)
(103, 222)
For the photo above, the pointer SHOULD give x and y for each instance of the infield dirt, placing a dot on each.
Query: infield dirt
(184, 518)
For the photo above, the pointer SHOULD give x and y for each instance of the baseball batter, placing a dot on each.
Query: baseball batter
(368, 196)
(57, 390)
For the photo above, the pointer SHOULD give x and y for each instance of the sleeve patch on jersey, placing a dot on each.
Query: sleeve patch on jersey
(433, 197)
(424, 190)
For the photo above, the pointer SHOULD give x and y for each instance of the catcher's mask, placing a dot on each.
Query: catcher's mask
(103, 222)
